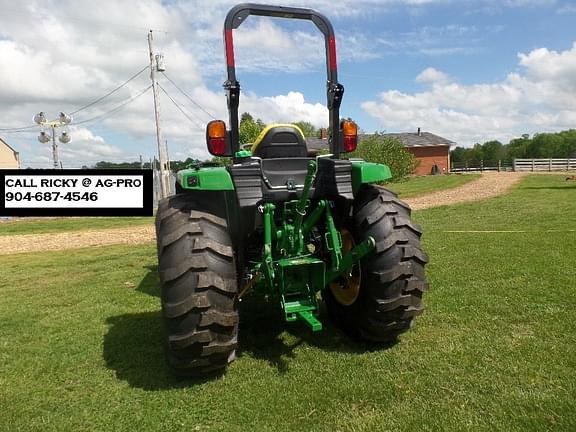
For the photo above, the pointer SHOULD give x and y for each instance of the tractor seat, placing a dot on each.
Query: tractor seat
(280, 141)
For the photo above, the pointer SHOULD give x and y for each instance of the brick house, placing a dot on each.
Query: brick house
(9, 158)
(429, 149)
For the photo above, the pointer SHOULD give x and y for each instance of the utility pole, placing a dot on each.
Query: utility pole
(55, 148)
(162, 150)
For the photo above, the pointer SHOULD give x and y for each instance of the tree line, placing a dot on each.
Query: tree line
(539, 146)
(175, 165)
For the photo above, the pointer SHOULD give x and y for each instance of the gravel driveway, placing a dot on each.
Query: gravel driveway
(489, 185)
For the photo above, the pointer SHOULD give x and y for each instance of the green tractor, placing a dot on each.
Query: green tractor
(286, 224)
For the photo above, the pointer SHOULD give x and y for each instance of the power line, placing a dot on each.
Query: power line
(111, 92)
(113, 110)
(18, 129)
(187, 96)
(177, 105)
(26, 128)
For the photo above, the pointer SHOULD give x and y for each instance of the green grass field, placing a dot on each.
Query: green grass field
(414, 186)
(80, 340)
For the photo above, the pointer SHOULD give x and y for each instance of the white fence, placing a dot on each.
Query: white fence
(544, 164)
(482, 165)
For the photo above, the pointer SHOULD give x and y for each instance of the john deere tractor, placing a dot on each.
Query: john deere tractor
(285, 223)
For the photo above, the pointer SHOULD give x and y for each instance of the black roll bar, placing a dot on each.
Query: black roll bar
(235, 17)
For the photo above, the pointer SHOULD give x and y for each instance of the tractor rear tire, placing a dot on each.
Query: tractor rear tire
(198, 287)
(392, 279)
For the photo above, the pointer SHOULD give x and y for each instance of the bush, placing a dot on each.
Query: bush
(388, 151)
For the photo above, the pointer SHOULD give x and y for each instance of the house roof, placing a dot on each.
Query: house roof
(408, 139)
(6, 144)
(424, 139)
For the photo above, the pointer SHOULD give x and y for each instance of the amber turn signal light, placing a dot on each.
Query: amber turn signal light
(350, 135)
(216, 137)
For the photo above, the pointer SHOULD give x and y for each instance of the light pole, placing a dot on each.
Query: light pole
(63, 120)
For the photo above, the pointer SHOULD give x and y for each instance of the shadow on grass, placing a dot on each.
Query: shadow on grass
(134, 344)
(151, 283)
(263, 332)
(567, 186)
(133, 348)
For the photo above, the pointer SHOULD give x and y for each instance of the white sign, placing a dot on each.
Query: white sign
(73, 191)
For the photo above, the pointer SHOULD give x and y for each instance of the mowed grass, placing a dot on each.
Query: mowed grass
(81, 345)
(43, 226)
(414, 186)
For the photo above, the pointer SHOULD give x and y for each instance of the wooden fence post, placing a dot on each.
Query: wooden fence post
(499, 165)
(532, 165)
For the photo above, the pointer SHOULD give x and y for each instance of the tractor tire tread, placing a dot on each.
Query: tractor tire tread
(199, 287)
(392, 276)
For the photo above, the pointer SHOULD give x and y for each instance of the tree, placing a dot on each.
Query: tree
(222, 161)
(518, 147)
(493, 151)
(307, 128)
(120, 165)
(249, 128)
(458, 155)
(389, 151)
(176, 166)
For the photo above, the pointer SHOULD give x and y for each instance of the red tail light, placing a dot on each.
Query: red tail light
(349, 134)
(217, 146)
(350, 143)
(216, 137)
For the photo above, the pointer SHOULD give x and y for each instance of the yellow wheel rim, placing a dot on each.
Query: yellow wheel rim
(347, 287)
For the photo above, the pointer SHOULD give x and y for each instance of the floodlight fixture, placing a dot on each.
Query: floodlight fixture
(39, 118)
(64, 138)
(44, 137)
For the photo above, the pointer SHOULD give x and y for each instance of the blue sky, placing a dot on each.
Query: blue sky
(469, 70)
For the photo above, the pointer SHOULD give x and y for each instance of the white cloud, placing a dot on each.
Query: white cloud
(431, 75)
(286, 108)
(541, 98)
(267, 47)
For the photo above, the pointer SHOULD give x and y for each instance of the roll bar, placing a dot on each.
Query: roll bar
(235, 17)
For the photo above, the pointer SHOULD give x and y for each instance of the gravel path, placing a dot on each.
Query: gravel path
(75, 239)
(489, 185)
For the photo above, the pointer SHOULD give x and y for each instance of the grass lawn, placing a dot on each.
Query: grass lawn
(80, 340)
(414, 186)
(40, 226)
